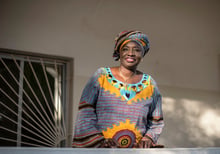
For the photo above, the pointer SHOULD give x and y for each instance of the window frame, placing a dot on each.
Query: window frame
(68, 90)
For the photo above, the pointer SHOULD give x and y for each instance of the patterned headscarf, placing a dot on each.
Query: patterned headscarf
(127, 36)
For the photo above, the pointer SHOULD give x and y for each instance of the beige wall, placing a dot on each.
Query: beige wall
(184, 57)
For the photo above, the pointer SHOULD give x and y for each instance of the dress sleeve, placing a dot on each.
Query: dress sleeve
(155, 122)
(86, 134)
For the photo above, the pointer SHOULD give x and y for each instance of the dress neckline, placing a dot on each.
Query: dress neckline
(144, 77)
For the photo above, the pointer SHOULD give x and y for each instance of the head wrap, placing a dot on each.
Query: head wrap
(127, 36)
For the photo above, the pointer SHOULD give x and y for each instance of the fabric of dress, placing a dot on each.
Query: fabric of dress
(110, 109)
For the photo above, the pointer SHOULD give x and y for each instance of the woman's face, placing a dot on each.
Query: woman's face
(131, 55)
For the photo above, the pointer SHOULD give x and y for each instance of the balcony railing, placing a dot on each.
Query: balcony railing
(14, 150)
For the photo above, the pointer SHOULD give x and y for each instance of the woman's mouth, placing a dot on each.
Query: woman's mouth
(130, 60)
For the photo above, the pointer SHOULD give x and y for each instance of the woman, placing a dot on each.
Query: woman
(121, 106)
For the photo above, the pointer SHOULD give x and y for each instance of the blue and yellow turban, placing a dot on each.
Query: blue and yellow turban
(127, 36)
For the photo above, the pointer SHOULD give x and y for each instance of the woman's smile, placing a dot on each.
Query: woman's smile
(130, 60)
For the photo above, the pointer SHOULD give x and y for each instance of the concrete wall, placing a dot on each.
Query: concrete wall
(184, 57)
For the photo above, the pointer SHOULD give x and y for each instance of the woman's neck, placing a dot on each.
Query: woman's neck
(126, 74)
(127, 71)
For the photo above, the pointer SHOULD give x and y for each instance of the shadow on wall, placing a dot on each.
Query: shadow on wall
(192, 118)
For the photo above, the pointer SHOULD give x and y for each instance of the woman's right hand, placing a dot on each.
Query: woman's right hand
(109, 143)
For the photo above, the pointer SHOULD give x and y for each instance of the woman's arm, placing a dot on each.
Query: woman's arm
(155, 122)
(86, 133)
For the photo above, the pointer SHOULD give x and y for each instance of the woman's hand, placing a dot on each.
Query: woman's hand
(109, 143)
(145, 142)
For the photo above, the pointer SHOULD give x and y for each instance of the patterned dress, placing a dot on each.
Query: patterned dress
(109, 109)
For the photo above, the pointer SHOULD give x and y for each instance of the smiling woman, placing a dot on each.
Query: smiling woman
(120, 106)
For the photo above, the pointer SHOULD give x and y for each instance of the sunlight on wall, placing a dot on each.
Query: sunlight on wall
(192, 107)
(168, 104)
(210, 121)
(199, 122)
(205, 118)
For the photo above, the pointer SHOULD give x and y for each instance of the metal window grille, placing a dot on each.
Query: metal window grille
(33, 101)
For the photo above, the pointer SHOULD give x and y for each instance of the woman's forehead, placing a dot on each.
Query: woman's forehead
(132, 44)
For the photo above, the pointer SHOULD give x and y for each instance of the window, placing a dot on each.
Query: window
(35, 99)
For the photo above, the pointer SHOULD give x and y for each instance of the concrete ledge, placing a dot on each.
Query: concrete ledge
(19, 150)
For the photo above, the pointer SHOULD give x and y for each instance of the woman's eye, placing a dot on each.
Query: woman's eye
(124, 49)
(137, 50)
(134, 49)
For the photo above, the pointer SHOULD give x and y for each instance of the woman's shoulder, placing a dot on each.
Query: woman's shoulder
(97, 74)
(101, 70)
(149, 78)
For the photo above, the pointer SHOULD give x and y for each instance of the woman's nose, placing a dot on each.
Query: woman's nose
(130, 52)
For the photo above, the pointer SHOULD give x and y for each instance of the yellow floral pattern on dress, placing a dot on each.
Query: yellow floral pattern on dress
(146, 93)
(109, 86)
(143, 92)
(125, 133)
